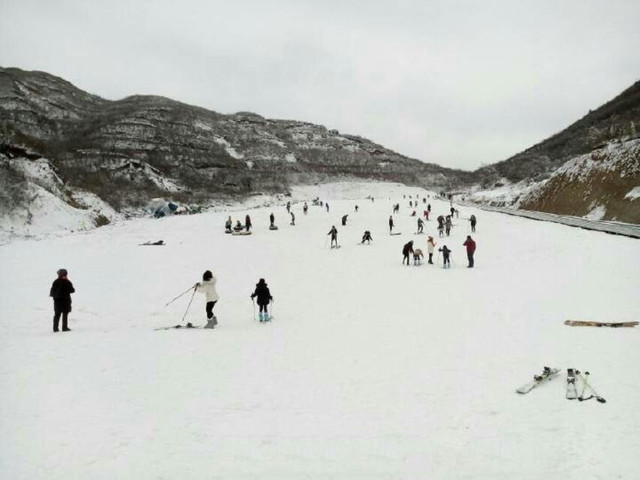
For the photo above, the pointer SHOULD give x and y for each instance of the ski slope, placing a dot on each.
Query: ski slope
(370, 369)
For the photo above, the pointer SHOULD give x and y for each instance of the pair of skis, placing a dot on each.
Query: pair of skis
(572, 392)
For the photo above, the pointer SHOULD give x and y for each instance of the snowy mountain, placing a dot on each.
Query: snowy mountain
(141, 147)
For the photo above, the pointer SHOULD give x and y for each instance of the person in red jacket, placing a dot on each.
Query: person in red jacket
(471, 249)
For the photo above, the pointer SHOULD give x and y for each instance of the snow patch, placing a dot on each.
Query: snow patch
(291, 158)
(597, 213)
(633, 194)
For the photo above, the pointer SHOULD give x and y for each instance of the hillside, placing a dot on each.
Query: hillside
(140, 147)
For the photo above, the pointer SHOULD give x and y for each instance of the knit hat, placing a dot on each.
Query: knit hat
(62, 272)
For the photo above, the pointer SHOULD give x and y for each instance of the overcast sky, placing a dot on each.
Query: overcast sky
(459, 83)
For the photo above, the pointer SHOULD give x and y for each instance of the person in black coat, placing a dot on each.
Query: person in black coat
(61, 291)
(406, 251)
(264, 297)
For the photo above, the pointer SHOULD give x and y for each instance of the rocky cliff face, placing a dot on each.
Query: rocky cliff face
(141, 147)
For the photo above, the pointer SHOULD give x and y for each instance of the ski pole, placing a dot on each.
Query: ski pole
(594, 393)
(189, 305)
(186, 291)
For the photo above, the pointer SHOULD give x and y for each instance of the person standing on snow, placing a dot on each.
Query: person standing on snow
(264, 297)
(471, 249)
(305, 208)
(390, 224)
(327, 206)
(288, 207)
(472, 220)
(447, 225)
(334, 236)
(227, 225)
(366, 237)
(247, 223)
(431, 246)
(293, 218)
(344, 220)
(61, 290)
(272, 220)
(406, 251)
(420, 225)
(446, 263)
(208, 288)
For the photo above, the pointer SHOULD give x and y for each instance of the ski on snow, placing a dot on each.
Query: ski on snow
(585, 386)
(583, 323)
(547, 374)
(188, 326)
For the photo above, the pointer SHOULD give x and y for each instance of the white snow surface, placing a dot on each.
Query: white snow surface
(370, 369)
(633, 194)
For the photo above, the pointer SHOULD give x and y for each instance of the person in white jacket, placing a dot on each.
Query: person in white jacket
(208, 287)
(431, 246)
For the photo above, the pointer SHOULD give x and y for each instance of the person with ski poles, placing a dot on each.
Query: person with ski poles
(420, 225)
(472, 220)
(247, 223)
(334, 236)
(406, 251)
(264, 297)
(390, 224)
(431, 246)
(471, 249)
(446, 263)
(208, 288)
(61, 290)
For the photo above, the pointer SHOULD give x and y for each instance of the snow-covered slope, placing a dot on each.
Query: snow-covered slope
(598, 185)
(370, 369)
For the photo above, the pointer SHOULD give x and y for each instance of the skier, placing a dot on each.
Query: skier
(356, 208)
(431, 245)
(446, 263)
(420, 225)
(264, 297)
(471, 248)
(61, 290)
(305, 208)
(366, 237)
(472, 220)
(327, 206)
(272, 220)
(227, 225)
(247, 223)
(293, 218)
(406, 250)
(448, 225)
(344, 220)
(208, 288)
(390, 224)
(288, 207)
(334, 236)
(417, 256)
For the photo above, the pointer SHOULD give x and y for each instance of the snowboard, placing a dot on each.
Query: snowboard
(582, 323)
(547, 374)
(241, 233)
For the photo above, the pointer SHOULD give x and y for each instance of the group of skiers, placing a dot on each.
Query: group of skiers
(62, 288)
(408, 250)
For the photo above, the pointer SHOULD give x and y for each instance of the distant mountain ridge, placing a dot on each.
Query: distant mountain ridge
(133, 149)
(129, 151)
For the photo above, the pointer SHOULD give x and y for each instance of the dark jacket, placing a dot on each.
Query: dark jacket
(407, 249)
(61, 291)
(333, 232)
(263, 294)
(445, 252)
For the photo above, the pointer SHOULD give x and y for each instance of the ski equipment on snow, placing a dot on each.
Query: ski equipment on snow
(572, 393)
(547, 374)
(586, 385)
(583, 323)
